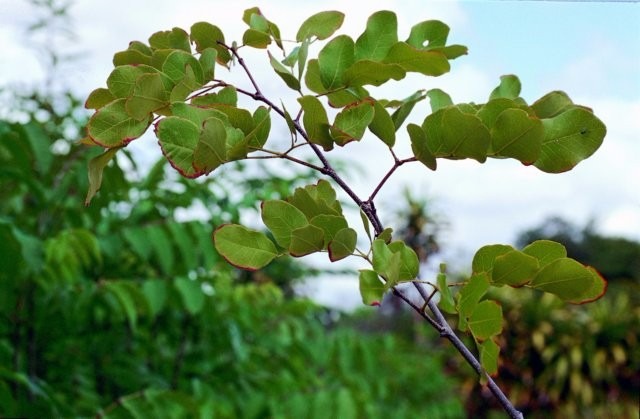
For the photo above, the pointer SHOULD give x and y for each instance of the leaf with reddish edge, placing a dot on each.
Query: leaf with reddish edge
(178, 138)
(244, 248)
(570, 280)
(112, 126)
(343, 244)
(99, 98)
(371, 288)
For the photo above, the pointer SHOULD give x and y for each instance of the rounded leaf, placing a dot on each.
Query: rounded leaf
(569, 280)
(569, 138)
(517, 135)
(321, 25)
(486, 320)
(112, 126)
(244, 248)
(343, 244)
(372, 289)
(282, 218)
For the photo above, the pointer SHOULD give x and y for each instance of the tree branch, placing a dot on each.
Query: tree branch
(368, 207)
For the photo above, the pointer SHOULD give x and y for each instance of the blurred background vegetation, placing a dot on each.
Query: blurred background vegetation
(123, 308)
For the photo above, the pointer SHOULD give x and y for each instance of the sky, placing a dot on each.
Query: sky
(591, 50)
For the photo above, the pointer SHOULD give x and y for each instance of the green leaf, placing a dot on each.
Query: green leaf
(420, 147)
(256, 39)
(546, 251)
(262, 126)
(211, 148)
(95, 170)
(321, 25)
(187, 85)
(395, 261)
(378, 38)
(509, 88)
(453, 134)
(432, 32)
(429, 63)
(485, 256)
(552, 104)
(471, 293)
(382, 125)
(244, 248)
(205, 35)
(207, 61)
(351, 123)
(489, 353)
(514, 268)
(409, 265)
(386, 235)
(569, 280)
(303, 53)
(238, 117)
(178, 139)
(228, 95)
(446, 302)
(306, 240)
(111, 126)
(282, 219)
(196, 114)
(137, 53)
(371, 288)
(99, 98)
(315, 122)
(490, 111)
(366, 224)
(122, 79)
(405, 107)
(343, 97)
(569, 138)
(312, 77)
(333, 60)
(284, 73)
(174, 39)
(439, 99)
(151, 92)
(365, 72)
(517, 135)
(175, 67)
(330, 225)
(191, 293)
(343, 244)
(486, 320)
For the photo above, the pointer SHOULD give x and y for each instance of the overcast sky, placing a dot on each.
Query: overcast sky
(590, 50)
